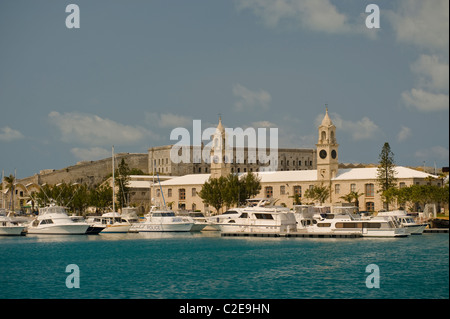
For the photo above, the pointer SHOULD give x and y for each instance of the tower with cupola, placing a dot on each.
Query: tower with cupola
(220, 164)
(327, 150)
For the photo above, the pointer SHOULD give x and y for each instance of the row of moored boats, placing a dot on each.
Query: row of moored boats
(259, 216)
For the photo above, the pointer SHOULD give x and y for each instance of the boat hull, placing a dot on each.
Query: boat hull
(390, 232)
(416, 229)
(114, 228)
(11, 230)
(173, 227)
(75, 229)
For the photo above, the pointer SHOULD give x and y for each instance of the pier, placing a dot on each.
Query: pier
(293, 234)
(435, 230)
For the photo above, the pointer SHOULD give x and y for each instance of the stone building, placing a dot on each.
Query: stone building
(284, 184)
(244, 159)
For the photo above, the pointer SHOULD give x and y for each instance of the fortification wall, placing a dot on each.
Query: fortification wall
(90, 173)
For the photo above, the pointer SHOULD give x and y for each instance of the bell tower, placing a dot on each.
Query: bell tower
(327, 150)
(220, 166)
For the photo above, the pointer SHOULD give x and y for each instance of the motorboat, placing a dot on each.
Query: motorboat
(164, 220)
(53, 220)
(8, 227)
(199, 220)
(111, 222)
(402, 218)
(263, 217)
(305, 215)
(92, 230)
(351, 224)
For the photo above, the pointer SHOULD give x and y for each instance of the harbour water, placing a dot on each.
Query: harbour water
(206, 265)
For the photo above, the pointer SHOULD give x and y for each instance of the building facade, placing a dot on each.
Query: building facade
(284, 184)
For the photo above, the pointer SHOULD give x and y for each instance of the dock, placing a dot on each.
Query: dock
(435, 230)
(293, 234)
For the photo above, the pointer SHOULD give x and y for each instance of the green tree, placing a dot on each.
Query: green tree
(10, 184)
(250, 187)
(122, 179)
(386, 173)
(101, 197)
(318, 193)
(212, 192)
(230, 190)
(352, 197)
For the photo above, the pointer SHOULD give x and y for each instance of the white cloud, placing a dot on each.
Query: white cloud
(316, 15)
(249, 100)
(168, 120)
(8, 134)
(432, 73)
(90, 154)
(263, 124)
(90, 129)
(422, 23)
(425, 101)
(364, 129)
(404, 133)
(433, 153)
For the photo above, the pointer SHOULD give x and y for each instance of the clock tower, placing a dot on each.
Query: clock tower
(220, 165)
(327, 150)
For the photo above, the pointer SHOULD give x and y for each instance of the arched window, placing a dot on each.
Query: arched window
(323, 136)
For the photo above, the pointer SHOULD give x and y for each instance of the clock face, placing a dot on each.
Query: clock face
(333, 154)
(323, 154)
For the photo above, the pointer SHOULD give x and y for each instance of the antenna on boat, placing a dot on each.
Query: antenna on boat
(113, 182)
(160, 188)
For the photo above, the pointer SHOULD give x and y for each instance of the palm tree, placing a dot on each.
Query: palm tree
(10, 184)
(352, 196)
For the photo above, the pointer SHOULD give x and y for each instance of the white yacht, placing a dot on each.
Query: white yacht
(164, 220)
(111, 222)
(351, 224)
(405, 220)
(53, 220)
(263, 217)
(305, 216)
(8, 227)
(199, 220)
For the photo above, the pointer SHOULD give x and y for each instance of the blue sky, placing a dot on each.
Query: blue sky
(135, 70)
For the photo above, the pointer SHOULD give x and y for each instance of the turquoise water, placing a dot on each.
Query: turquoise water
(205, 265)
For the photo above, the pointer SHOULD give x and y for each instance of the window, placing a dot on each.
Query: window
(370, 190)
(282, 190)
(158, 193)
(402, 185)
(181, 194)
(370, 206)
(337, 188)
(298, 191)
(263, 216)
(194, 192)
(269, 191)
(169, 192)
(353, 187)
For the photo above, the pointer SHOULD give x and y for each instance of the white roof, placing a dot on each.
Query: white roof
(190, 179)
(139, 184)
(371, 173)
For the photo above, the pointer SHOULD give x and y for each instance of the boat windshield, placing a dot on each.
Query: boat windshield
(164, 214)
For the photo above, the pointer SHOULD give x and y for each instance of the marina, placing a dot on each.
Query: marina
(208, 265)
